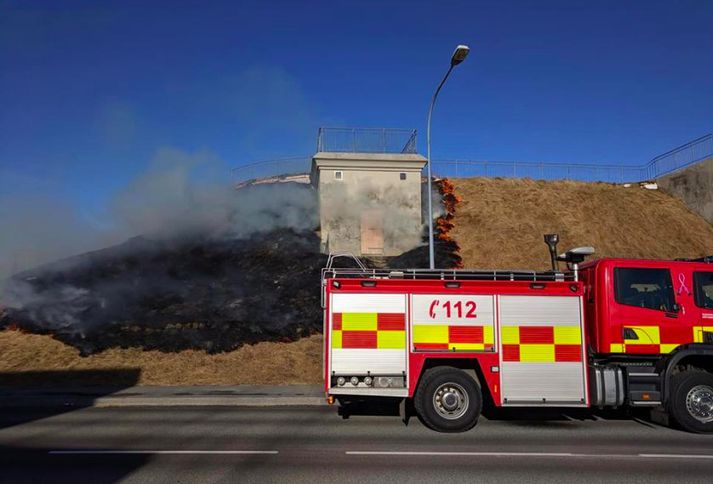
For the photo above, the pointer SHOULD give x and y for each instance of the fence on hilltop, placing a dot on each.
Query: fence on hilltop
(384, 140)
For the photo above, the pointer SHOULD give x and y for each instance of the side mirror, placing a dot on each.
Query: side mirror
(676, 308)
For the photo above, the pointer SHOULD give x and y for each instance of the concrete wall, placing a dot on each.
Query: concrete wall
(372, 189)
(693, 185)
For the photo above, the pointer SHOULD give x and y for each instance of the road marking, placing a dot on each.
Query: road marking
(533, 454)
(482, 454)
(173, 452)
(676, 456)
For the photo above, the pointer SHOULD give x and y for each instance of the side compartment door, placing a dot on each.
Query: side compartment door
(368, 334)
(450, 322)
(542, 351)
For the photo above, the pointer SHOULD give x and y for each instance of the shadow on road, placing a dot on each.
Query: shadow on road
(523, 417)
(28, 396)
(32, 395)
(31, 465)
(369, 407)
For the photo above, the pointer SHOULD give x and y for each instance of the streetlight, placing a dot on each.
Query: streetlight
(458, 56)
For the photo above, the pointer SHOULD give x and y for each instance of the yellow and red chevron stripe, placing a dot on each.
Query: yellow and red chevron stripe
(541, 344)
(647, 341)
(452, 337)
(369, 330)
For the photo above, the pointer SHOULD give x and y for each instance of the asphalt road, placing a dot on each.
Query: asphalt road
(311, 444)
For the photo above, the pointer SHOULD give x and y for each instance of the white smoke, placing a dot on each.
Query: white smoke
(179, 195)
(190, 195)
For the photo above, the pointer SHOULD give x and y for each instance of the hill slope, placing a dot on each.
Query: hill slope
(500, 222)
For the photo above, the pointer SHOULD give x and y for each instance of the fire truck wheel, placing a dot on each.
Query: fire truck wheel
(448, 400)
(692, 401)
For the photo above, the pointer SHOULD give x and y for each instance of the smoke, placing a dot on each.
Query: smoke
(187, 196)
(38, 229)
(194, 227)
(179, 196)
(400, 213)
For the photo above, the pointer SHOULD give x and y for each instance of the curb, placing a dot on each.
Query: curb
(207, 401)
(236, 396)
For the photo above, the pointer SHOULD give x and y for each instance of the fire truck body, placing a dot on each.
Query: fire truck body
(613, 332)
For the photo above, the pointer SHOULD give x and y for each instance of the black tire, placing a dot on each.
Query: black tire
(448, 400)
(689, 414)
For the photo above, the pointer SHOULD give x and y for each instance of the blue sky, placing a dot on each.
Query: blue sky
(90, 91)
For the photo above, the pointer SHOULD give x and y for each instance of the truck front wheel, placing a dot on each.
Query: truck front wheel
(692, 401)
(448, 400)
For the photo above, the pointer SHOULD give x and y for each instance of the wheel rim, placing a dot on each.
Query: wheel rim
(699, 403)
(450, 401)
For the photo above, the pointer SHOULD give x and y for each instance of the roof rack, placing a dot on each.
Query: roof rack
(362, 272)
(449, 274)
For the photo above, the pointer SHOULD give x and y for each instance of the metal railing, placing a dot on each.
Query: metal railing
(676, 159)
(278, 168)
(538, 170)
(681, 157)
(450, 274)
(366, 140)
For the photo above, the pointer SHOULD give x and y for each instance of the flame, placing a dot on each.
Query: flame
(444, 223)
(14, 327)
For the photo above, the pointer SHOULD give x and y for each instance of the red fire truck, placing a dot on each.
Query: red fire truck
(605, 333)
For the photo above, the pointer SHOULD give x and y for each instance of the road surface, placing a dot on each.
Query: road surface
(311, 444)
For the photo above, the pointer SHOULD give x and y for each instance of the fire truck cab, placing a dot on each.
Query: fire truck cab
(605, 333)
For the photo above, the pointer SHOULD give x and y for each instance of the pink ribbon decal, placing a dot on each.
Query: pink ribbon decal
(683, 287)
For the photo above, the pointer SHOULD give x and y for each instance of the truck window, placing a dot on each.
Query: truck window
(644, 288)
(703, 287)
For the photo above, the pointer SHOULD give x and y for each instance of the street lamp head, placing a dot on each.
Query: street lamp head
(459, 54)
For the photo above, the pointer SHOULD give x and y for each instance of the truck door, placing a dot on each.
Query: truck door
(703, 296)
(368, 336)
(645, 311)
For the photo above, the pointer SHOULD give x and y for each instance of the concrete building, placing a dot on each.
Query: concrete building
(369, 202)
(693, 185)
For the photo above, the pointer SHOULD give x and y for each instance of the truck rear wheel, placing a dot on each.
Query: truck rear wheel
(692, 401)
(448, 400)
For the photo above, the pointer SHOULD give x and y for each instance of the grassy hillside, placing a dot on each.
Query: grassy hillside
(263, 363)
(500, 222)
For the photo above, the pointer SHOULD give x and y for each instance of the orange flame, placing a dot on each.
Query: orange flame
(445, 223)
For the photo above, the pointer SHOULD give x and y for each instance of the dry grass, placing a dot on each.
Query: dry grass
(263, 363)
(500, 222)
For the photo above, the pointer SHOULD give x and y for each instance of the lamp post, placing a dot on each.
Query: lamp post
(458, 56)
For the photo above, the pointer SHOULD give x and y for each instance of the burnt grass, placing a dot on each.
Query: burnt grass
(212, 295)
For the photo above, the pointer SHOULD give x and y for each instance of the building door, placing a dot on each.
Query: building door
(372, 232)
